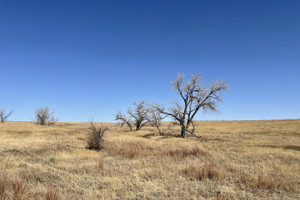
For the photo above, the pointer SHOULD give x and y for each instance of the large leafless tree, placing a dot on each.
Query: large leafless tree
(135, 117)
(4, 116)
(195, 96)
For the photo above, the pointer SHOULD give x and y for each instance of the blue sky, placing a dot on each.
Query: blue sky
(89, 59)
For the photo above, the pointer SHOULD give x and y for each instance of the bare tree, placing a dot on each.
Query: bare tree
(43, 116)
(123, 119)
(3, 116)
(137, 116)
(95, 139)
(195, 96)
(155, 118)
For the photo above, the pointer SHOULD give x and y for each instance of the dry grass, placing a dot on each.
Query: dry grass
(52, 194)
(200, 172)
(240, 160)
(260, 182)
(185, 152)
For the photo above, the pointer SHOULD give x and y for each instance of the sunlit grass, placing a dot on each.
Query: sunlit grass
(240, 160)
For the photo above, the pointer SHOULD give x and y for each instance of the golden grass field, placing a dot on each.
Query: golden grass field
(241, 160)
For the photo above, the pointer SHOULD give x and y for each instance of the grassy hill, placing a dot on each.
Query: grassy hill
(240, 160)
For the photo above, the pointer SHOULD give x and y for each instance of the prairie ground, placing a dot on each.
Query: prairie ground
(240, 160)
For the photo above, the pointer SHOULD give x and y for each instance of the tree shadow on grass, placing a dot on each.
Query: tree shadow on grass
(287, 147)
(148, 135)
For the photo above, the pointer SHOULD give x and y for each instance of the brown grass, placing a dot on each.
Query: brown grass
(130, 150)
(240, 160)
(52, 194)
(264, 182)
(12, 188)
(200, 171)
(184, 152)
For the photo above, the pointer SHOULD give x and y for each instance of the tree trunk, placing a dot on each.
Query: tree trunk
(138, 127)
(183, 132)
(160, 133)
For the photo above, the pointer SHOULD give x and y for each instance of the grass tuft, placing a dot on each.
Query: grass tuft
(200, 172)
(52, 194)
(185, 152)
(260, 182)
(130, 150)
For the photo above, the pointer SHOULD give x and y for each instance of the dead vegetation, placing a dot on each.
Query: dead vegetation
(267, 182)
(95, 137)
(199, 171)
(239, 161)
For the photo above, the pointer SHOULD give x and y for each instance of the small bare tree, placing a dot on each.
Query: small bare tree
(95, 139)
(155, 118)
(195, 96)
(43, 116)
(137, 116)
(123, 119)
(3, 116)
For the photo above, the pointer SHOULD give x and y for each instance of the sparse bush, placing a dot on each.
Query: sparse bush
(43, 116)
(95, 138)
(3, 116)
(200, 172)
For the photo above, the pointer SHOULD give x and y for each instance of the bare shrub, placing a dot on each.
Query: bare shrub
(200, 172)
(3, 116)
(43, 116)
(137, 116)
(52, 194)
(95, 138)
(185, 152)
(195, 96)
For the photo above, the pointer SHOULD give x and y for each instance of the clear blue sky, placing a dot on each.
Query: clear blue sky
(88, 59)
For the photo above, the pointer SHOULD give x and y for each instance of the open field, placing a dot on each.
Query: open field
(241, 160)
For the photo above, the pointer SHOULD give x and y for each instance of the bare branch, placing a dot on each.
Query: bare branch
(123, 120)
(3, 116)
